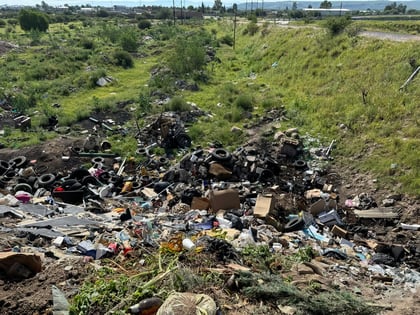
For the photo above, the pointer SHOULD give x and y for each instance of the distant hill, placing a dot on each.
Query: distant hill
(351, 5)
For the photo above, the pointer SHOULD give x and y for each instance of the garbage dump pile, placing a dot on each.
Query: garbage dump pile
(276, 192)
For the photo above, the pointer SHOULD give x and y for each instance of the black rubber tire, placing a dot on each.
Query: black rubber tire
(136, 185)
(98, 160)
(141, 151)
(299, 164)
(221, 155)
(288, 150)
(104, 177)
(18, 162)
(46, 180)
(4, 166)
(9, 175)
(163, 161)
(294, 225)
(90, 180)
(23, 187)
(266, 175)
(79, 173)
(71, 184)
(183, 140)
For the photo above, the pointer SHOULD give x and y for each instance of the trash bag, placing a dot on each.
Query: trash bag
(188, 303)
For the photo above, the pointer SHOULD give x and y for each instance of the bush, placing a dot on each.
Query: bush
(227, 40)
(129, 42)
(244, 102)
(2, 23)
(123, 59)
(87, 43)
(336, 25)
(12, 22)
(189, 55)
(251, 29)
(144, 24)
(94, 76)
(31, 20)
(177, 104)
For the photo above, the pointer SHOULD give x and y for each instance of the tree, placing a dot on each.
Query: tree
(217, 5)
(31, 20)
(394, 9)
(325, 5)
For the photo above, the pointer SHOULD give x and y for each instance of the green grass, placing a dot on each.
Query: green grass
(343, 87)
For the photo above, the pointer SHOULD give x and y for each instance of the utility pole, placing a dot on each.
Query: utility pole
(234, 31)
(182, 21)
(173, 9)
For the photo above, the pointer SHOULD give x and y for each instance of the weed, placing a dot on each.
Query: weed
(177, 104)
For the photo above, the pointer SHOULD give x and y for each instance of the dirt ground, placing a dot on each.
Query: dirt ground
(34, 295)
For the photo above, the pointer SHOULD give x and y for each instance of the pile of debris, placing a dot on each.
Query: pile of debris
(279, 194)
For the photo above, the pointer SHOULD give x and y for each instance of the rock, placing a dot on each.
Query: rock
(236, 129)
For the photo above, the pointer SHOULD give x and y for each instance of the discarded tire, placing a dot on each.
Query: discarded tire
(104, 177)
(141, 151)
(98, 160)
(46, 180)
(90, 180)
(23, 187)
(71, 185)
(299, 164)
(18, 162)
(4, 166)
(183, 140)
(294, 225)
(79, 173)
(288, 150)
(163, 161)
(221, 154)
(266, 175)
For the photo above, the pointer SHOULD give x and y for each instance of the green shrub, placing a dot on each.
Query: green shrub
(251, 29)
(336, 25)
(123, 59)
(189, 55)
(94, 76)
(87, 43)
(12, 22)
(177, 104)
(144, 24)
(128, 42)
(227, 40)
(2, 23)
(33, 20)
(244, 102)
(235, 115)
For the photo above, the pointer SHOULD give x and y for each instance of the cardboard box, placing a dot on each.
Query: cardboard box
(224, 199)
(200, 203)
(264, 206)
(318, 207)
(338, 231)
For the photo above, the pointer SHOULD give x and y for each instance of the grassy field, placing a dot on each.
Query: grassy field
(343, 87)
